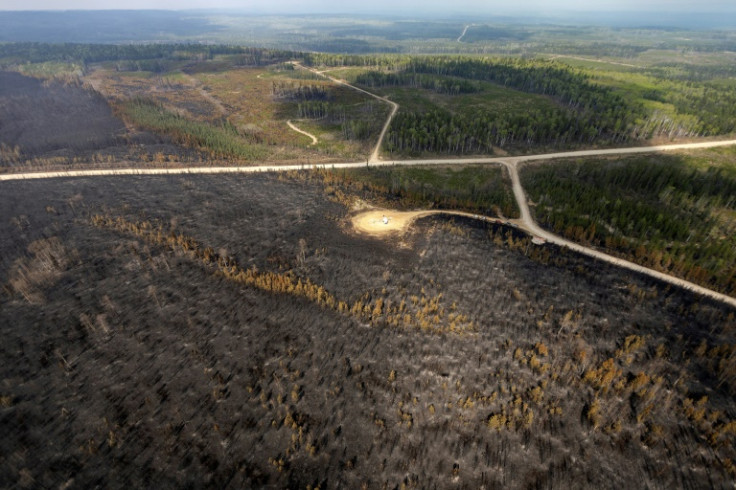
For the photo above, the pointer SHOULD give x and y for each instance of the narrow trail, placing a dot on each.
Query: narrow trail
(206, 95)
(322, 72)
(465, 31)
(314, 138)
(374, 156)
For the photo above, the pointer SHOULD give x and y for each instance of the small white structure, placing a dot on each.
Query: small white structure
(385, 220)
(538, 240)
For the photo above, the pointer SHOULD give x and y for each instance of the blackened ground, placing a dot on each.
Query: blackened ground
(126, 363)
(56, 122)
(41, 117)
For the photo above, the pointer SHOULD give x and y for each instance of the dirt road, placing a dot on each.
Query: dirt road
(526, 222)
(394, 108)
(380, 222)
(281, 168)
(530, 226)
(314, 138)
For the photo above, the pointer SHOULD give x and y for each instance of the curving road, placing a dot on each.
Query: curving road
(526, 222)
(394, 108)
(381, 222)
(314, 138)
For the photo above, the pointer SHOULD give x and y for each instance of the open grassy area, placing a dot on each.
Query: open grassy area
(674, 213)
(257, 102)
(175, 90)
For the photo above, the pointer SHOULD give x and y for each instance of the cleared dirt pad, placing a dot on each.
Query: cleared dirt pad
(381, 222)
(385, 222)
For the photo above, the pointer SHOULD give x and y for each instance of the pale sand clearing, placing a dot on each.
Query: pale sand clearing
(372, 222)
(380, 222)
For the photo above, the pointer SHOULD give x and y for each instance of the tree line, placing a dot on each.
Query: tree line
(442, 85)
(475, 189)
(297, 91)
(351, 127)
(381, 61)
(95, 53)
(478, 131)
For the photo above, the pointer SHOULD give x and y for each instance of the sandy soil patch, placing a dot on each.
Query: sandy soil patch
(380, 222)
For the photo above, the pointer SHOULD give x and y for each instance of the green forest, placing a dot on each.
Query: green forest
(671, 213)
(442, 85)
(588, 105)
(584, 112)
(591, 108)
(94, 53)
(219, 140)
(593, 104)
(474, 188)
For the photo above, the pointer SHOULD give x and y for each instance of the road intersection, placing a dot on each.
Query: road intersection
(526, 222)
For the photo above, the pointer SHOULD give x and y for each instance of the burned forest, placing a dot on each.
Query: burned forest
(367, 251)
(189, 331)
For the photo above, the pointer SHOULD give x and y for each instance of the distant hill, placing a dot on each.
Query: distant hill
(102, 26)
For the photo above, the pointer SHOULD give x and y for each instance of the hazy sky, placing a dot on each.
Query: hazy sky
(384, 6)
